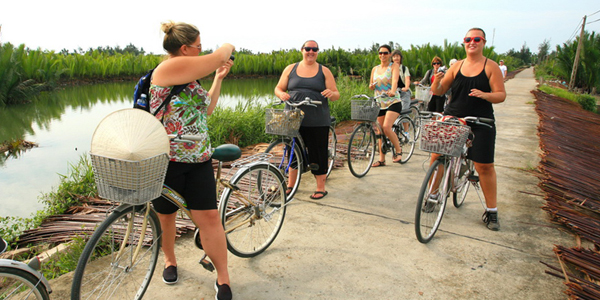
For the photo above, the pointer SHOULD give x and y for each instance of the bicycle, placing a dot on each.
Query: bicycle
(288, 150)
(362, 146)
(452, 171)
(22, 281)
(121, 255)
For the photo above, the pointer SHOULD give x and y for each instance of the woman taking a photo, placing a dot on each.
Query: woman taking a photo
(315, 81)
(384, 80)
(190, 170)
(476, 84)
(436, 104)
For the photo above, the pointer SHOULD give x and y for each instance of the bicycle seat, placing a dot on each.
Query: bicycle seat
(332, 119)
(414, 101)
(2, 245)
(227, 152)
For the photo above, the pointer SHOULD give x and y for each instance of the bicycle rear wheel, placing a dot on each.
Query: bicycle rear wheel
(16, 284)
(253, 209)
(361, 150)
(463, 183)
(405, 130)
(430, 209)
(114, 264)
(289, 162)
(331, 150)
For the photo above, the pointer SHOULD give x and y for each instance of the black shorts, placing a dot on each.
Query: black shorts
(194, 181)
(396, 107)
(484, 144)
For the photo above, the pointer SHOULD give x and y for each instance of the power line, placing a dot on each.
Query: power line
(592, 21)
(593, 13)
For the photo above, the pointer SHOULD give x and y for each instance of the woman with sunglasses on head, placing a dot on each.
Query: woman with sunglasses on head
(384, 80)
(190, 170)
(308, 78)
(437, 101)
(476, 84)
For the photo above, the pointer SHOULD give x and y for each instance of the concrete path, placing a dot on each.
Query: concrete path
(359, 241)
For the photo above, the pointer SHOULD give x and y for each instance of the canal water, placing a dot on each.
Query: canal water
(62, 124)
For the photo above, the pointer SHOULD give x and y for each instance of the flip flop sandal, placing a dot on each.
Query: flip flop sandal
(313, 196)
(288, 190)
(378, 163)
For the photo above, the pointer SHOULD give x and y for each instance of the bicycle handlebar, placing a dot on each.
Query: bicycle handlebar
(306, 101)
(370, 98)
(470, 119)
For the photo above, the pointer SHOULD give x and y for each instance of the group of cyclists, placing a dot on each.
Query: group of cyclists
(476, 84)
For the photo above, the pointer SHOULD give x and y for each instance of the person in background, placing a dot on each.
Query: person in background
(384, 80)
(436, 104)
(503, 68)
(308, 78)
(403, 82)
(190, 170)
(477, 84)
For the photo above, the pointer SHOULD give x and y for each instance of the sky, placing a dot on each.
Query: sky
(264, 26)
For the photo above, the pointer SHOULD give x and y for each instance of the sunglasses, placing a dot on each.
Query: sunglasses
(313, 49)
(476, 39)
(436, 63)
(384, 53)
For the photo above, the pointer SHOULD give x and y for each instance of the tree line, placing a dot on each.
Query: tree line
(25, 72)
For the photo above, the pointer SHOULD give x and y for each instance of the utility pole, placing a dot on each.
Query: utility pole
(577, 53)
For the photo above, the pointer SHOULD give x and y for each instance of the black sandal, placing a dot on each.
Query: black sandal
(396, 155)
(378, 163)
(288, 190)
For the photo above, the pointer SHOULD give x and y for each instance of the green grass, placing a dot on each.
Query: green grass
(587, 102)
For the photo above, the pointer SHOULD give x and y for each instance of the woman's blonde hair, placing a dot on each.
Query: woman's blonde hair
(178, 34)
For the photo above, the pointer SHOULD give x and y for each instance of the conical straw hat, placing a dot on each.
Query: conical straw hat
(130, 134)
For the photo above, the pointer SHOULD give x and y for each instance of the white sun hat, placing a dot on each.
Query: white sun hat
(130, 134)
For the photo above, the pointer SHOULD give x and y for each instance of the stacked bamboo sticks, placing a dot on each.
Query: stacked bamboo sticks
(568, 172)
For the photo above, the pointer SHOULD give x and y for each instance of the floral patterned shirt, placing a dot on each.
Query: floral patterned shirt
(186, 114)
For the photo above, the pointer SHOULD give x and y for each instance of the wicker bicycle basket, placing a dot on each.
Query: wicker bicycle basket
(443, 137)
(283, 122)
(126, 181)
(364, 110)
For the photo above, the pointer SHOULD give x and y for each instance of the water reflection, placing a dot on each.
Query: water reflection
(62, 124)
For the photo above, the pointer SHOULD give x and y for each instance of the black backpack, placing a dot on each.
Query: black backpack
(143, 88)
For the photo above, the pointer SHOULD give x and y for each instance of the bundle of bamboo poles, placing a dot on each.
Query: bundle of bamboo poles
(568, 172)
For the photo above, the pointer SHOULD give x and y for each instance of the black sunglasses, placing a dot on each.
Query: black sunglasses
(313, 49)
(384, 53)
(436, 63)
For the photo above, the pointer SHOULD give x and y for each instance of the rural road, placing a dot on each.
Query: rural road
(359, 241)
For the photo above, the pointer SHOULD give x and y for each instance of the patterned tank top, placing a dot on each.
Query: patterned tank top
(383, 83)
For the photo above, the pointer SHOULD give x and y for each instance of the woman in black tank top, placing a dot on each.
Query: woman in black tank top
(310, 79)
(476, 84)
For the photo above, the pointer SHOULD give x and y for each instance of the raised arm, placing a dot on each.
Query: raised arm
(184, 69)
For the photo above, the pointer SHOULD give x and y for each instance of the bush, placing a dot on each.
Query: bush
(587, 102)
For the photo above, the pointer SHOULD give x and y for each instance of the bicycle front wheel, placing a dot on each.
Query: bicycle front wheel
(331, 150)
(432, 201)
(361, 150)
(119, 259)
(465, 171)
(405, 130)
(415, 116)
(16, 284)
(287, 156)
(252, 209)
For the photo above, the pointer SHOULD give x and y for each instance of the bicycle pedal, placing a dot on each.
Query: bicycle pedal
(474, 178)
(207, 265)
